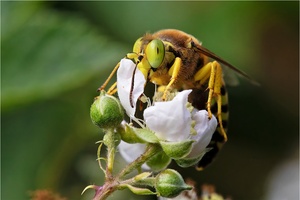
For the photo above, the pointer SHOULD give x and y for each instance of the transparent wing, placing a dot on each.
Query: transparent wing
(229, 66)
(230, 77)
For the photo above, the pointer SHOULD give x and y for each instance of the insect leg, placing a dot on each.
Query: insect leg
(212, 72)
(112, 90)
(217, 91)
(211, 87)
(109, 78)
(173, 72)
(207, 75)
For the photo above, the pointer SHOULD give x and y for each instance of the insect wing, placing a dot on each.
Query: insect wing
(210, 54)
(230, 77)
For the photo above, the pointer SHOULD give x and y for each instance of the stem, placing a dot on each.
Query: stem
(111, 150)
(106, 190)
(113, 183)
(150, 151)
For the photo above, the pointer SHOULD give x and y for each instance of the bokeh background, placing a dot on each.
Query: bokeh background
(55, 55)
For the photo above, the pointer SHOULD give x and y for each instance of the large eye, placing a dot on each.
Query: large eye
(155, 52)
(137, 45)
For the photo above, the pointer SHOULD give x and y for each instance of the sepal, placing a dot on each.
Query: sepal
(128, 134)
(139, 191)
(188, 162)
(141, 184)
(131, 134)
(142, 176)
(159, 162)
(177, 150)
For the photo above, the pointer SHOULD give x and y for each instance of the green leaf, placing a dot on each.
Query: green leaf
(49, 53)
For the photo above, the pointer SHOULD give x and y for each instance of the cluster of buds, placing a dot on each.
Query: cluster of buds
(169, 130)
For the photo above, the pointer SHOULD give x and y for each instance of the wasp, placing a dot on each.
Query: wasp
(176, 60)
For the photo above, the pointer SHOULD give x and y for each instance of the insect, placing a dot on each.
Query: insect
(177, 60)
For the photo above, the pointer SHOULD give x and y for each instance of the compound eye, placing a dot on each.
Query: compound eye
(155, 52)
(137, 45)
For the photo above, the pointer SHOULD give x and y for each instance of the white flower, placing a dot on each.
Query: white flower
(205, 129)
(171, 121)
(125, 74)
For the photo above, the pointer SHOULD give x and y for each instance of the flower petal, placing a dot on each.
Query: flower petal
(170, 120)
(130, 152)
(124, 82)
(205, 128)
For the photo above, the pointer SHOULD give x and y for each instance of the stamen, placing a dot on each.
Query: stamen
(140, 122)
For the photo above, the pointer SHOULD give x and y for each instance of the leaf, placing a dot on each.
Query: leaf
(50, 53)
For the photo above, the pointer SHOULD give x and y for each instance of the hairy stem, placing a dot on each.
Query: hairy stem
(150, 151)
(113, 183)
(111, 150)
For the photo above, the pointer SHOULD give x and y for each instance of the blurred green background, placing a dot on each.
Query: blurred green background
(55, 55)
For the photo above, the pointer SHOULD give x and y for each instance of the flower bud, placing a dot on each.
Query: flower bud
(106, 111)
(169, 183)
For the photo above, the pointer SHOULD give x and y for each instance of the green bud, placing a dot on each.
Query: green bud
(106, 111)
(169, 184)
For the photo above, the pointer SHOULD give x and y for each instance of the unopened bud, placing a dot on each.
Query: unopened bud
(106, 111)
(169, 183)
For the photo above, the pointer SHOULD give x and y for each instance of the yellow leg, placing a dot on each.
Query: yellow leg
(203, 74)
(219, 114)
(173, 72)
(212, 73)
(112, 90)
(211, 88)
(110, 76)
